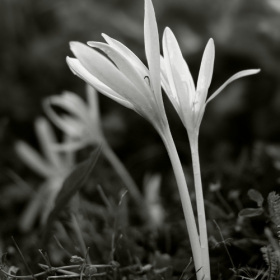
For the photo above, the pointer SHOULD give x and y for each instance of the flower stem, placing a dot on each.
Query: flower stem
(127, 180)
(186, 202)
(200, 207)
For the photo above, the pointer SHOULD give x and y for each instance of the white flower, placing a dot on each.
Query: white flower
(54, 167)
(82, 121)
(131, 84)
(127, 80)
(177, 81)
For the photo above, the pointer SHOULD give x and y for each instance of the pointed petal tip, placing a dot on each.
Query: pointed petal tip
(90, 43)
(211, 41)
(104, 35)
(167, 29)
(236, 76)
(149, 7)
(146, 2)
(71, 64)
(249, 72)
(167, 33)
(72, 44)
(211, 44)
(70, 60)
(77, 47)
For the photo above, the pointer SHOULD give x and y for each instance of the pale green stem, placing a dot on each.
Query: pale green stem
(186, 202)
(131, 186)
(200, 206)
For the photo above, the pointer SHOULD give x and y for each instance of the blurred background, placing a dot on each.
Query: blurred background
(237, 126)
(34, 44)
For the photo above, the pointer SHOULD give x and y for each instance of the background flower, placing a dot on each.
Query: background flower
(53, 167)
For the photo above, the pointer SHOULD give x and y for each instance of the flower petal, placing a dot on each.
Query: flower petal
(33, 159)
(71, 103)
(104, 70)
(47, 139)
(80, 71)
(127, 68)
(231, 79)
(205, 72)
(61, 122)
(152, 49)
(172, 54)
(74, 104)
(142, 69)
(166, 85)
(185, 110)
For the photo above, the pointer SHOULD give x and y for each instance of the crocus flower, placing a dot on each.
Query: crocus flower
(127, 80)
(131, 84)
(82, 121)
(190, 103)
(177, 81)
(54, 166)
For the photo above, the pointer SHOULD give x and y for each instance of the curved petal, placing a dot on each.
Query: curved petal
(152, 50)
(205, 72)
(172, 54)
(172, 94)
(33, 159)
(79, 113)
(58, 120)
(80, 71)
(47, 139)
(106, 72)
(76, 127)
(166, 86)
(185, 110)
(142, 69)
(72, 103)
(127, 68)
(231, 79)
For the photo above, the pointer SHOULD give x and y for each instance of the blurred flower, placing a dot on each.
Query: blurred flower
(127, 80)
(54, 167)
(152, 196)
(82, 122)
(177, 81)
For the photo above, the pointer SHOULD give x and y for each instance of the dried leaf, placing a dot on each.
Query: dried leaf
(250, 212)
(256, 196)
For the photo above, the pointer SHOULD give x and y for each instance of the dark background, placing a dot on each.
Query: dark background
(34, 44)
